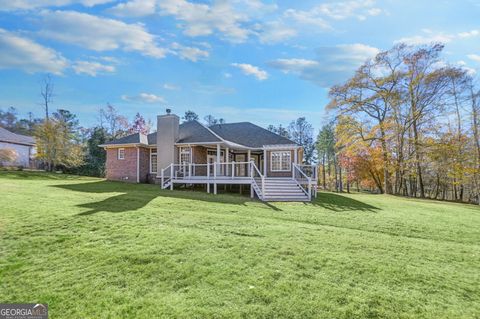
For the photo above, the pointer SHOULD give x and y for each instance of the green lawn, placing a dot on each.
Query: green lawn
(96, 249)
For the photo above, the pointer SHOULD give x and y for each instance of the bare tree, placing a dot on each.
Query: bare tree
(46, 91)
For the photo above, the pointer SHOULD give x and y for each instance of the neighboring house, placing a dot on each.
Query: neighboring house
(22, 145)
(234, 153)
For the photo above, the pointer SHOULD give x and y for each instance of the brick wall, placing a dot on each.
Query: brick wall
(144, 164)
(122, 170)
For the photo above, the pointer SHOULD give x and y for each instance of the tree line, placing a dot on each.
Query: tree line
(406, 123)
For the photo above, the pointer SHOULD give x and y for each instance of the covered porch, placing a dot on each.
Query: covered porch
(223, 164)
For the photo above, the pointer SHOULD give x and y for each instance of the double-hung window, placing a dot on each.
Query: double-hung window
(281, 161)
(153, 160)
(121, 154)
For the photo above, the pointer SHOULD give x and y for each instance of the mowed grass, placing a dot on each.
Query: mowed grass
(97, 249)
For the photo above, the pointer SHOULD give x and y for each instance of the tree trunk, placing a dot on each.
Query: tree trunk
(417, 159)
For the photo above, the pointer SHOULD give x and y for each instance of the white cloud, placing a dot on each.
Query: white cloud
(144, 97)
(359, 9)
(474, 57)
(200, 19)
(190, 53)
(23, 53)
(171, 87)
(99, 34)
(331, 66)
(427, 37)
(293, 65)
(469, 34)
(307, 17)
(275, 31)
(249, 69)
(92, 68)
(135, 8)
(10, 5)
(318, 15)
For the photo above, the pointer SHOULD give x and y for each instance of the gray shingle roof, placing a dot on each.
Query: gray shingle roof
(129, 139)
(194, 132)
(243, 133)
(7, 136)
(248, 134)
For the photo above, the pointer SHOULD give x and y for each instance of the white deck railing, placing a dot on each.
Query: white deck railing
(302, 180)
(257, 178)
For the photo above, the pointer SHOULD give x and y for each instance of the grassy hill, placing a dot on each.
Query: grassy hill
(97, 249)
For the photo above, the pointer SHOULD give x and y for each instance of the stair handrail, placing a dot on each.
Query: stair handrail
(163, 181)
(309, 180)
(262, 178)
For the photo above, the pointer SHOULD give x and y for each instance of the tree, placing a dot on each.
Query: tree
(139, 125)
(115, 124)
(46, 91)
(190, 116)
(371, 95)
(56, 145)
(301, 132)
(280, 130)
(211, 120)
(326, 151)
(96, 156)
(8, 118)
(425, 84)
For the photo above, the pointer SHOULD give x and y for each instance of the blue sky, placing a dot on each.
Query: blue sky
(267, 62)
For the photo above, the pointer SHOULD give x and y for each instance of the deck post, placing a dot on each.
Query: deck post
(215, 178)
(251, 190)
(208, 187)
(189, 170)
(208, 170)
(162, 178)
(233, 169)
(309, 189)
(171, 177)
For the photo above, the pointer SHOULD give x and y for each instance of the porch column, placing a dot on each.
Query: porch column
(295, 156)
(249, 154)
(218, 153)
(265, 162)
(227, 159)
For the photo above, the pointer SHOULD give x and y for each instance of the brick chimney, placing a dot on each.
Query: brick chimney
(167, 135)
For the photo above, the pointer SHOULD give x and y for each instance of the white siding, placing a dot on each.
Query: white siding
(23, 152)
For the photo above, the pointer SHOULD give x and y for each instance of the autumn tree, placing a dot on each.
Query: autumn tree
(139, 125)
(57, 145)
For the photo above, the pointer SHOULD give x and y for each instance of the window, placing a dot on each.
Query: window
(185, 155)
(121, 153)
(153, 160)
(280, 161)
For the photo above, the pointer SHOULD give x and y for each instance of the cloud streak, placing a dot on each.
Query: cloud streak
(331, 66)
(249, 69)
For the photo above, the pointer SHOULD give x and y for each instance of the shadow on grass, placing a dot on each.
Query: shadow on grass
(339, 203)
(136, 196)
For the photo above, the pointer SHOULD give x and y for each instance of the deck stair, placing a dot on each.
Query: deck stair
(283, 189)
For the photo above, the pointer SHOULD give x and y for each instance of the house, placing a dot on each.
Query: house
(235, 153)
(22, 145)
